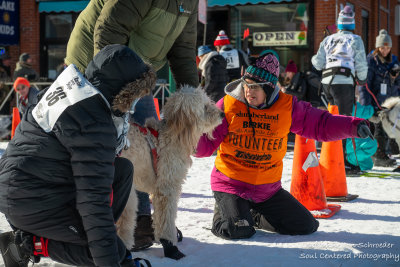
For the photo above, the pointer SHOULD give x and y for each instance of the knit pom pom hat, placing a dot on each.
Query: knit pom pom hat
(291, 67)
(346, 19)
(222, 39)
(383, 39)
(20, 80)
(265, 69)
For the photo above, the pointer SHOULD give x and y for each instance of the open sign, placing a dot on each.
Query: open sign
(280, 38)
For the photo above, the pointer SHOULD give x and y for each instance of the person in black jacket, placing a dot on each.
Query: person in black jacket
(214, 75)
(237, 60)
(62, 187)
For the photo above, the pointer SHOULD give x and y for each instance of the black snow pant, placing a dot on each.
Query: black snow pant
(343, 96)
(72, 248)
(235, 217)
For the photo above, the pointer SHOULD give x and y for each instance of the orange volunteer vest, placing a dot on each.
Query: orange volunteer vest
(255, 159)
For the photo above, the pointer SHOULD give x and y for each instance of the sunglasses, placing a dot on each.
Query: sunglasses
(253, 85)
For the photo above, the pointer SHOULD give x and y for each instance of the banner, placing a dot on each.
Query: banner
(9, 22)
(288, 38)
(203, 11)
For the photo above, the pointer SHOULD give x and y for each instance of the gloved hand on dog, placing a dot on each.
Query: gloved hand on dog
(363, 130)
(171, 251)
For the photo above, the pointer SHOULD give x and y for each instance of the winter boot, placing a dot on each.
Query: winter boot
(136, 262)
(380, 158)
(144, 233)
(260, 222)
(394, 148)
(17, 249)
(352, 170)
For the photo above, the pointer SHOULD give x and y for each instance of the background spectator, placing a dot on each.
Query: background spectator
(237, 60)
(24, 68)
(214, 75)
(26, 94)
(383, 82)
(5, 67)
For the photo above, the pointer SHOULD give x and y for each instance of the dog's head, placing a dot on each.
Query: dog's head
(390, 115)
(189, 113)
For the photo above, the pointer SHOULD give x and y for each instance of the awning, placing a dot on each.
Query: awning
(212, 3)
(63, 6)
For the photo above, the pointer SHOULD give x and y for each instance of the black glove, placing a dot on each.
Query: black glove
(171, 251)
(395, 70)
(363, 130)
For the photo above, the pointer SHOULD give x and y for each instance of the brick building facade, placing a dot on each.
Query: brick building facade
(29, 18)
(371, 15)
(381, 15)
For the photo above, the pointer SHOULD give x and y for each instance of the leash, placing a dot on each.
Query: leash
(373, 96)
(148, 132)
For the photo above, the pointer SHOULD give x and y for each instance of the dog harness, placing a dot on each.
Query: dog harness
(147, 133)
(394, 124)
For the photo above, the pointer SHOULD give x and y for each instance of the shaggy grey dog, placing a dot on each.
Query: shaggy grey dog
(390, 117)
(187, 114)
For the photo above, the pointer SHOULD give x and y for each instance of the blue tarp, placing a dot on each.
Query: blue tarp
(63, 6)
(212, 3)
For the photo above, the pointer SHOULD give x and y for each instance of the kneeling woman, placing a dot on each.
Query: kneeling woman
(252, 141)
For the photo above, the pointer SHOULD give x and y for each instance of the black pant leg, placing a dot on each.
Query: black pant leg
(122, 185)
(343, 95)
(71, 246)
(71, 254)
(328, 94)
(286, 214)
(232, 218)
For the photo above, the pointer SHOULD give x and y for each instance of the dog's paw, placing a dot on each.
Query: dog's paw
(171, 251)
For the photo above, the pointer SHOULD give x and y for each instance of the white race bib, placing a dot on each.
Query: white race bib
(383, 88)
(69, 88)
(232, 58)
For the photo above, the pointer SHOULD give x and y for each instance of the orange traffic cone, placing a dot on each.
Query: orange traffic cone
(332, 168)
(157, 107)
(15, 121)
(307, 186)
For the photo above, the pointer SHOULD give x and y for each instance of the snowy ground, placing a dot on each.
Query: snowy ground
(365, 232)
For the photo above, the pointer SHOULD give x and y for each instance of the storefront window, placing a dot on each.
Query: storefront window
(282, 27)
(58, 25)
(57, 28)
(56, 55)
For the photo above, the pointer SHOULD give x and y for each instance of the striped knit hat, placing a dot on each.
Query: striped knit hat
(346, 19)
(222, 39)
(265, 69)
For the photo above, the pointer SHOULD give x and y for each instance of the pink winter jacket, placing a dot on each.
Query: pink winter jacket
(307, 121)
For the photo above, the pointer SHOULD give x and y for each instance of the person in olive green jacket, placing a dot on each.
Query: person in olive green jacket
(158, 31)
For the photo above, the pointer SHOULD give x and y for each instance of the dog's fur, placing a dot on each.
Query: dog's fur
(390, 118)
(187, 114)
